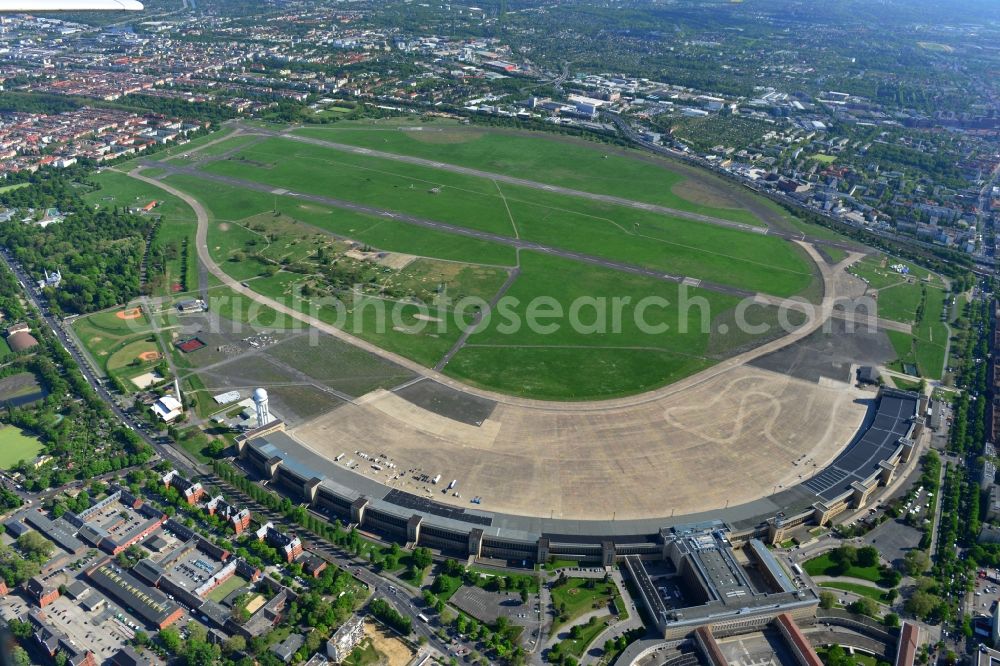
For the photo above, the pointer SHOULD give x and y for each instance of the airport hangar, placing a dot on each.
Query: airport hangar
(732, 583)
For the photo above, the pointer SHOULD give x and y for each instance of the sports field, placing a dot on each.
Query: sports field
(119, 341)
(16, 445)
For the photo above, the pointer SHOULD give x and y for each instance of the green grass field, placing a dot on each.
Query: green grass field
(574, 163)
(899, 299)
(11, 188)
(825, 566)
(864, 590)
(234, 583)
(177, 224)
(573, 598)
(115, 343)
(17, 445)
(275, 244)
(690, 248)
(589, 631)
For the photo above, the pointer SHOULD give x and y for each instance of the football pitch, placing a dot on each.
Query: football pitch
(16, 445)
(300, 221)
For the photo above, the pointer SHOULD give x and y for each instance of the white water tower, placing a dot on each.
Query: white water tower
(260, 400)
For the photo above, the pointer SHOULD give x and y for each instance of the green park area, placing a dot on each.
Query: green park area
(849, 562)
(872, 593)
(17, 445)
(573, 597)
(173, 241)
(582, 635)
(661, 242)
(453, 575)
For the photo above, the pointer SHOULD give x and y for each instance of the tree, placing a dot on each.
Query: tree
(827, 599)
(891, 620)
(863, 606)
(169, 639)
(34, 545)
(235, 644)
(140, 639)
(421, 558)
(916, 562)
(922, 603)
(19, 657)
(867, 556)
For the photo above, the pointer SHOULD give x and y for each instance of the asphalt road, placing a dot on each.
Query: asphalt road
(453, 229)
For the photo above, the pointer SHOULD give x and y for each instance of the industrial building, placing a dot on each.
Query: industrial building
(116, 522)
(144, 602)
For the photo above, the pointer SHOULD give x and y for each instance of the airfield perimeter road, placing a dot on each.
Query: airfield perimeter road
(450, 228)
(823, 313)
(534, 184)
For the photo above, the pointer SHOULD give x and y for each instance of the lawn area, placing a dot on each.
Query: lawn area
(556, 563)
(858, 658)
(574, 598)
(234, 583)
(546, 363)
(904, 384)
(835, 254)
(573, 163)
(514, 581)
(364, 655)
(11, 188)
(824, 565)
(577, 646)
(925, 348)
(228, 203)
(823, 158)
(864, 590)
(445, 586)
(177, 227)
(17, 445)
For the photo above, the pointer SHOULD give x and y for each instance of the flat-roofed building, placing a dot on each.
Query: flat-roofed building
(345, 639)
(145, 602)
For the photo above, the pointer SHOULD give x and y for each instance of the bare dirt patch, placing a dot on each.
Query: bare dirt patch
(129, 314)
(707, 194)
(149, 356)
(441, 135)
(393, 651)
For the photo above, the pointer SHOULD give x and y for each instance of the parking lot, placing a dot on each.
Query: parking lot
(487, 606)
